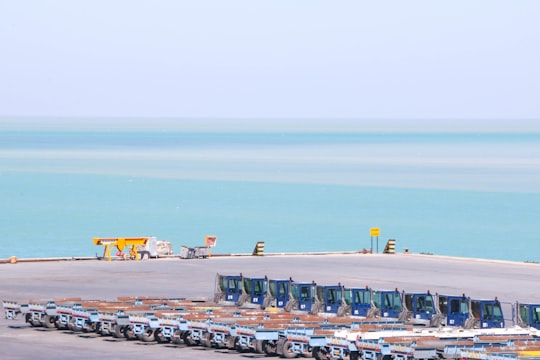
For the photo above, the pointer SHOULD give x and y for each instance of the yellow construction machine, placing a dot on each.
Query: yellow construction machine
(121, 244)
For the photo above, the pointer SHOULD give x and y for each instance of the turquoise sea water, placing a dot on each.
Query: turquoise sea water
(464, 194)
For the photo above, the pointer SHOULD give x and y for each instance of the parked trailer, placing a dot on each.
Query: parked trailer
(11, 309)
(312, 331)
(84, 319)
(47, 313)
(35, 313)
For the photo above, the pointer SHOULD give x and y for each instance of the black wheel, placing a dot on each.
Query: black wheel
(147, 335)
(280, 345)
(287, 350)
(207, 340)
(231, 342)
(239, 347)
(259, 346)
(160, 338)
(128, 333)
(30, 319)
(118, 331)
(188, 340)
(318, 353)
(178, 337)
(270, 348)
(48, 321)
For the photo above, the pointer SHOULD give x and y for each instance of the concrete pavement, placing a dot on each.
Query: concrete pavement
(194, 278)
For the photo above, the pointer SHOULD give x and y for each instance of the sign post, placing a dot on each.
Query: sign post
(210, 242)
(374, 233)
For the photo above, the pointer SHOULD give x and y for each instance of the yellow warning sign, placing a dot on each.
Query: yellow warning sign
(374, 231)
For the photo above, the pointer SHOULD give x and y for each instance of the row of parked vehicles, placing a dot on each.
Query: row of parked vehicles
(290, 319)
(410, 308)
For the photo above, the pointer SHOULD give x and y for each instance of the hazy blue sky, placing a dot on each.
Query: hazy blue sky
(270, 59)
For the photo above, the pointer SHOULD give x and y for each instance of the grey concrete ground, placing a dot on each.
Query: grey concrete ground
(194, 278)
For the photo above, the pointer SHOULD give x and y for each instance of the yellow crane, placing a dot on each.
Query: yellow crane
(121, 244)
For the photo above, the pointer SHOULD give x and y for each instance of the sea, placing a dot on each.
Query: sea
(467, 193)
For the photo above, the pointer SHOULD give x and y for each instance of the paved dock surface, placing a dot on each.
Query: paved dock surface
(194, 278)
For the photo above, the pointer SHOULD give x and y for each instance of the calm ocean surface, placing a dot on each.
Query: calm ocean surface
(463, 194)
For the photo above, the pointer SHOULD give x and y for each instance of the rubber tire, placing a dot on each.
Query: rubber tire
(259, 346)
(188, 340)
(147, 335)
(231, 342)
(159, 338)
(270, 348)
(178, 338)
(280, 344)
(118, 331)
(287, 353)
(48, 321)
(207, 340)
(71, 326)
(128, 333)
(318, 353)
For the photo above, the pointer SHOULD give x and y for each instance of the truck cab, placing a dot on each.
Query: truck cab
(528, 315)
(301, 296)
(389, 303)
(421, 308)
(277, 293)
(330, 298)
(228, 288)
(487, 313)
(454, 309)
(358, 300)
(254, 290)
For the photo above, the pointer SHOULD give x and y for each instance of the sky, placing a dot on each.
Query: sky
(279, 59)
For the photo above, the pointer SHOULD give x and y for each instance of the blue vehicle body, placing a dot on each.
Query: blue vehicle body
(454, 309)
(529, 315)
(278, 293)
(228, 288)
(301, 296)
(359, 301)
(487, 313)
(421, 307)
(388, 302)
(330, 298)
(255, 288)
